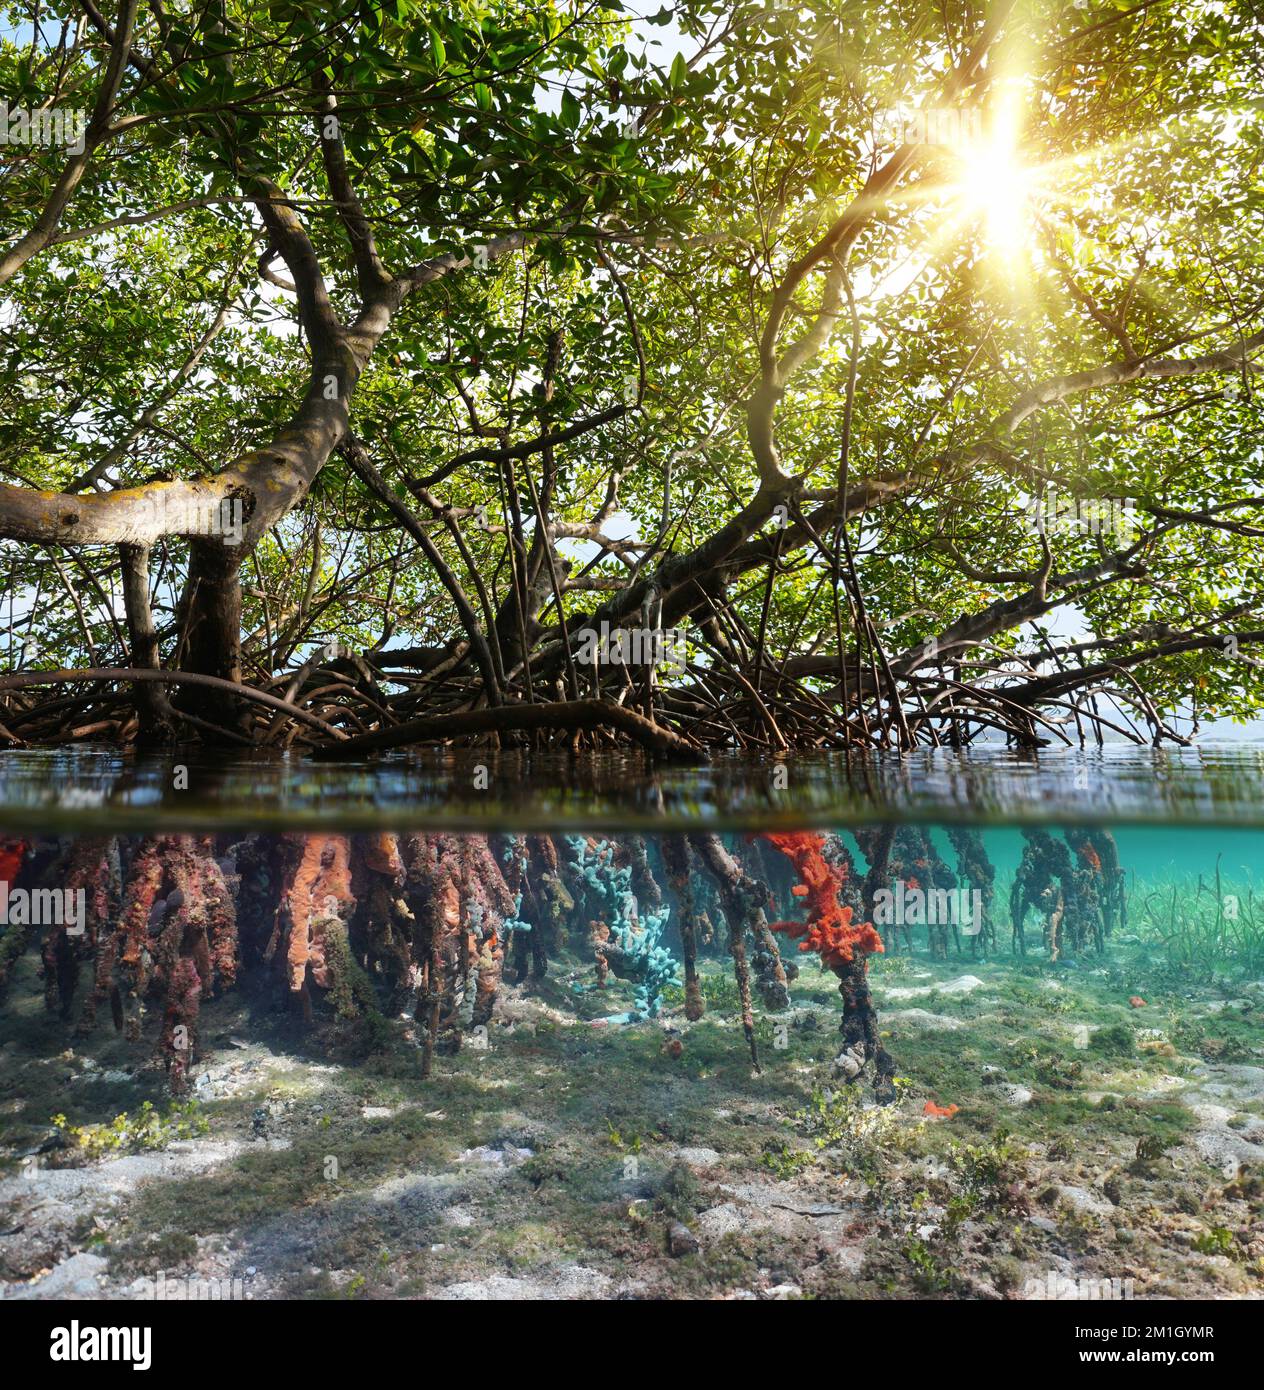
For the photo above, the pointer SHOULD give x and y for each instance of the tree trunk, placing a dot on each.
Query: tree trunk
(152, 708)
(211, 632)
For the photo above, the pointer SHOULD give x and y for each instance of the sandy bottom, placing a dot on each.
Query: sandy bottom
(1096, 1149)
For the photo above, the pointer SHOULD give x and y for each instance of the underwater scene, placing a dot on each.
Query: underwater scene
(903, 1059)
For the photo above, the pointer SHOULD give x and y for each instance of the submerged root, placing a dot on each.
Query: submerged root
(680, 877)
(358, 929)
(316, 891)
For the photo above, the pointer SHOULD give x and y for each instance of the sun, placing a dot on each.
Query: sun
(993, 185)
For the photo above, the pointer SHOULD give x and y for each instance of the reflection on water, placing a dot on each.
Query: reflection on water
(90, 787)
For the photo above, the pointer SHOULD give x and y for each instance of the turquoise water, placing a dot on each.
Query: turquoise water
(1155, 852)
(1024, 1043)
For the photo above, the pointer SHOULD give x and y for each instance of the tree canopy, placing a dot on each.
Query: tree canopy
(898, 359)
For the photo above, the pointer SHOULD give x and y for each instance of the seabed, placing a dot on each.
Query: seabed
(1051, 1138)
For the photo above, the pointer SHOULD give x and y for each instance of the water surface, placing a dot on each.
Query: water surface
(92, 787)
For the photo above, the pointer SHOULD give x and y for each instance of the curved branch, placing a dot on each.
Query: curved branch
(564, 714)
(23, 679)
(41, 234)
